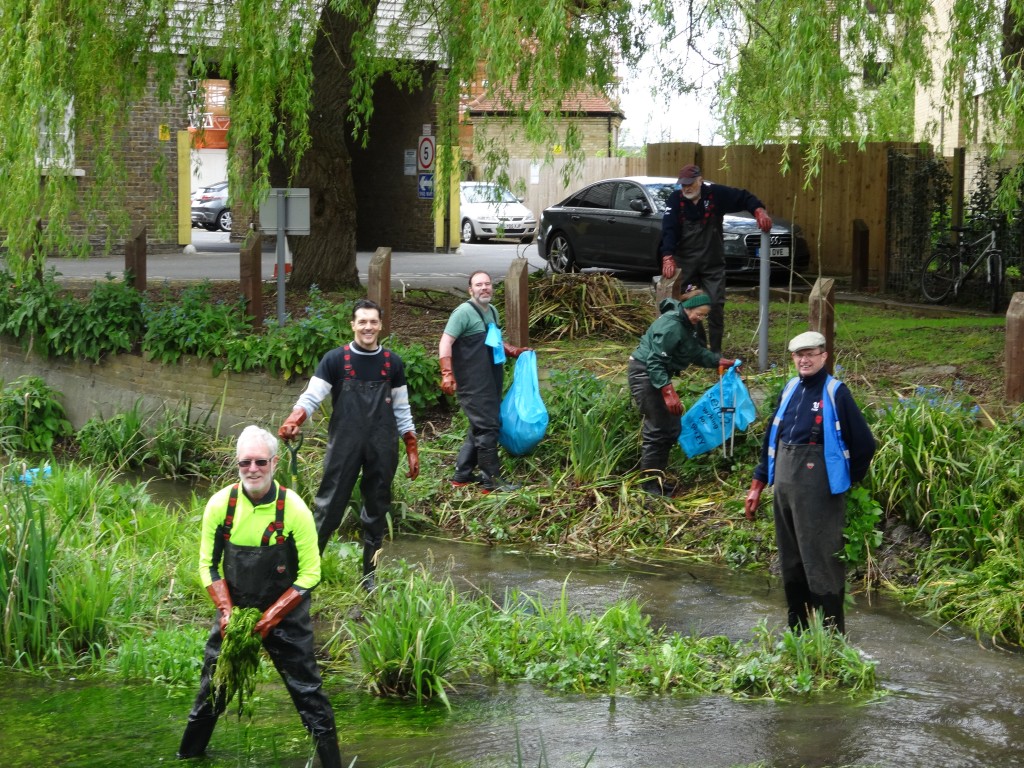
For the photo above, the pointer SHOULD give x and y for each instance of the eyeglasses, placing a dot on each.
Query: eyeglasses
(807, 355)
(244, 463)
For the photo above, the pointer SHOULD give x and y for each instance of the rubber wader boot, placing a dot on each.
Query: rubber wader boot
(832, 612)
(369, 566)
(490, 472)
(327, 750)
(464, 463)
(196, 737)
(656, 485)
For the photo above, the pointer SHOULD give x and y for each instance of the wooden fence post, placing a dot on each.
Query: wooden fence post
(859, 273)
(250, 268)
(378, 287)
(821, 315)
(517, 303)
(135, 260)
(1014, 365)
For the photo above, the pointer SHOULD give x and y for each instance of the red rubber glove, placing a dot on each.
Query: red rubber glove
(668, 267)
(281, 608)
(764, 221)
(672, 402)
(447, 377)
(724, 364)
(514, 351)
(753, 498)
(221, 597)
(412, 453)
(290, 429)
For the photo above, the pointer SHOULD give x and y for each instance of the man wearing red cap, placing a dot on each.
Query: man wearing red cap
(692, 241)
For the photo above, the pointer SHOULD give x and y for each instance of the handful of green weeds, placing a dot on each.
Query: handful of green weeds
(239, 661)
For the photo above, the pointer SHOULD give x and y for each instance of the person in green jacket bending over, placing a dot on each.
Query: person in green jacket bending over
(668, 346)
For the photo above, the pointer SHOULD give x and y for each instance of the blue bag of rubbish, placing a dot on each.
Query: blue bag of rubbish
(30, 476)
(713, 419)
(524, 419)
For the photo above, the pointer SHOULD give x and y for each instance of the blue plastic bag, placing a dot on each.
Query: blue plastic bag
(702, 423)
(524, 419)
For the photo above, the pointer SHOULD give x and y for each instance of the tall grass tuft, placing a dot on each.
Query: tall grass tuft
(413, 637)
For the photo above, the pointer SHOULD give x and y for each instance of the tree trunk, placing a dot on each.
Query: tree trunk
(327, 255)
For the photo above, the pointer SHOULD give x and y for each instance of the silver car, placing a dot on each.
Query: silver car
(487, 210)
(211, 208)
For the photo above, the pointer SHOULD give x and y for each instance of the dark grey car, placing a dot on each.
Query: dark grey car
(616, 224)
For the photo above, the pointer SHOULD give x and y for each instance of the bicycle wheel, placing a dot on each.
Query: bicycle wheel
(995, 281)
(938, 274)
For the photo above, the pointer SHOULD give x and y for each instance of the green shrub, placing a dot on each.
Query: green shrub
(30, 409)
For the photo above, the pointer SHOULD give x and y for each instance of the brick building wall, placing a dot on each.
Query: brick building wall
(600, 135)
(150, 171)
(391, 212)
(117, 382)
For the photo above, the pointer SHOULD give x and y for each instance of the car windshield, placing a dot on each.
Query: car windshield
(659, 193)
(488, 193)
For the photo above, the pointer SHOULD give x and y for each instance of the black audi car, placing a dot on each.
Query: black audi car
(616, 224)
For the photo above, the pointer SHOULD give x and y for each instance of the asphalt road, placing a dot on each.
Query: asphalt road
(216, 258)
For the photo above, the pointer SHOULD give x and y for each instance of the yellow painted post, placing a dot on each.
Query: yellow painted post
(184, 187)
(453, 207)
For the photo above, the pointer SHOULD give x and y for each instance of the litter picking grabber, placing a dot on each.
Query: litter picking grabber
(727, 410)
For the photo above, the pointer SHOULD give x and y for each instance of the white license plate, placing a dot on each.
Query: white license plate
(776, 254)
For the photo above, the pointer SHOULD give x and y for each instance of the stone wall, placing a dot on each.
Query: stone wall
(117, 382)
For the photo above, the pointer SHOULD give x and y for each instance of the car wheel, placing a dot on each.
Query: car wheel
(560, 255)
(467, 232)
(224, 220)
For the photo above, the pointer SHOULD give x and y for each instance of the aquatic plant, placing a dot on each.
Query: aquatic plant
(32, 415)
(413, 636)
(237, 669)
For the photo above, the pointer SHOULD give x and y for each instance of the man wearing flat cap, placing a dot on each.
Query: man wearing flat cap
(692, 241)
(818, 445)
(668, 346)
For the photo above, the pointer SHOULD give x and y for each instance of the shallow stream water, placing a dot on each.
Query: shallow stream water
(949, 701)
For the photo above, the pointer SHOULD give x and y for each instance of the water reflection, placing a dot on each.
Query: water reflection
(950, 702)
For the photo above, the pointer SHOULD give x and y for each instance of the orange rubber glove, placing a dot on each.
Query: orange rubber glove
(447, 377)
(753, 498)
(514, 351)
(668, 266)
(764, 221)
(672, 402)
(281, 608)
(412, 453)
(221, 597)
(290, 429)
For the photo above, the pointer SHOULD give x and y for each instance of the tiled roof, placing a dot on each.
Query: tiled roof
(575, 102)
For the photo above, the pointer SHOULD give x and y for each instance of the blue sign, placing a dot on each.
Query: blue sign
(426, 186)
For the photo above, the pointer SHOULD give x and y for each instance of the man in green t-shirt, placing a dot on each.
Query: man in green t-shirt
(472, 353)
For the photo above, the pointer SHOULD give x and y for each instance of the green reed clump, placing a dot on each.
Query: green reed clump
(32, 415)
(237, 669)
(413, 636)
(118, 441)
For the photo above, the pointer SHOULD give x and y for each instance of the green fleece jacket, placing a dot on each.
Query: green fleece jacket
(671, 344)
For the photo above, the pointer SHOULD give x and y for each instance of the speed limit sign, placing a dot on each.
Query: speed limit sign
(425, 154)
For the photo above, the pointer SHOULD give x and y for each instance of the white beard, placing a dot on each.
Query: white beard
(692, 196)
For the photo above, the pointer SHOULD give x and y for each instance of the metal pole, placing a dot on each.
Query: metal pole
(762, 318)
(281, 243)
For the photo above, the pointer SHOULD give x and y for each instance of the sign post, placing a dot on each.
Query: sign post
(285, 212)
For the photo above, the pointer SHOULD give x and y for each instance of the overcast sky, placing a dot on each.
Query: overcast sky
(669, 117)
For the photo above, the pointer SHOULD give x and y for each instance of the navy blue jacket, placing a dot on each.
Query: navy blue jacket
(716, 200)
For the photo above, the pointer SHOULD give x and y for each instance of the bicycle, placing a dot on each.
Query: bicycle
(944, 271)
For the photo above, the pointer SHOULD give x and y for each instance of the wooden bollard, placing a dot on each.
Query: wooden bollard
(135, 260)
(250, 268)
(378, 286)
(517, 303)
(1014, 365)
